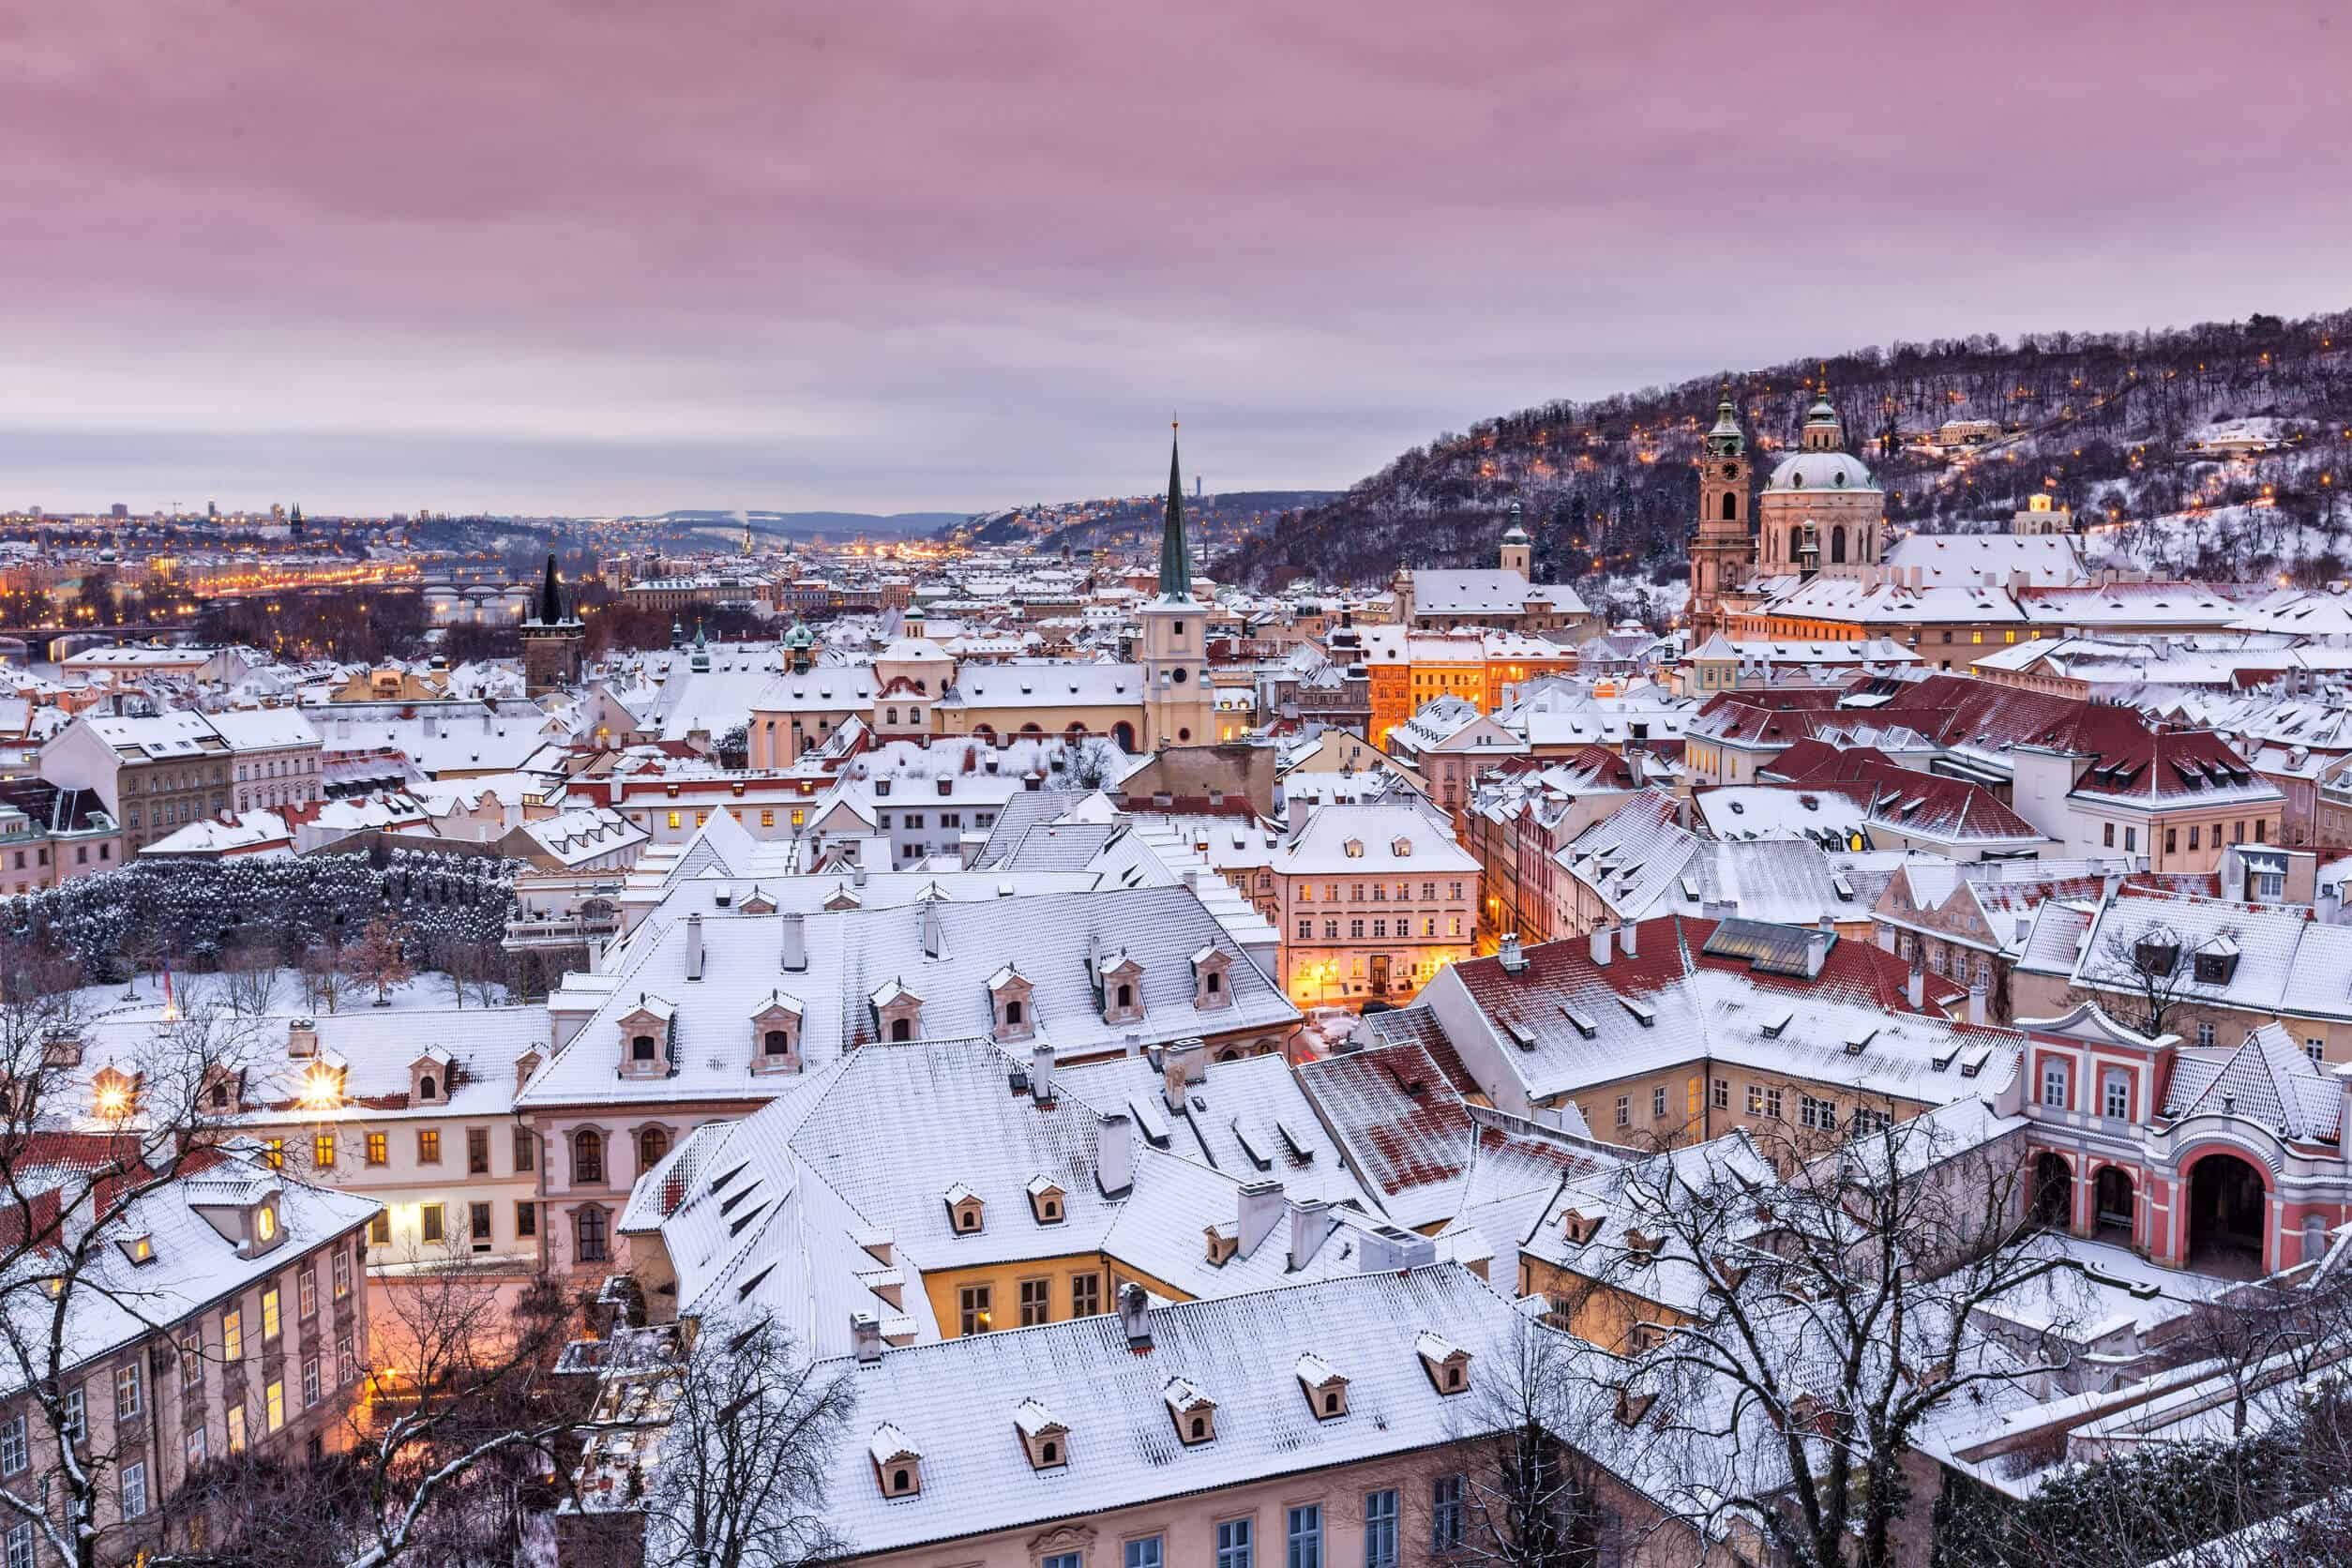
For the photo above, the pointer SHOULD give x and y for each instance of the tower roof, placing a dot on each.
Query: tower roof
(550, 595)
(1726, 438)
(1175, 558)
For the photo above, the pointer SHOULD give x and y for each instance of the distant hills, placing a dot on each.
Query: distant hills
(809, 524)
(1131, 524)
(2120, 426)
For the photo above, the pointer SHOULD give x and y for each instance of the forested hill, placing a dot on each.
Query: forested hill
(2112, 422)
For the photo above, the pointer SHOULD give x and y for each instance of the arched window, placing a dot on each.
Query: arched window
(426, 1088)
(1731, 506)
(778, 1043)
(1837, 544)
(588, 1157)
(901, 1030)
(1126, 996)
(641, 1048)
(652, 1144)
(1796, 541)
(1215, 983)
(590, 1230)
(1013, 1011)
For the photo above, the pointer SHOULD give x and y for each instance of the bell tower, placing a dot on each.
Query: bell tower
(1179, 709)
(1723, 551)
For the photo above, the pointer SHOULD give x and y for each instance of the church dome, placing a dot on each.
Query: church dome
(1821, 471)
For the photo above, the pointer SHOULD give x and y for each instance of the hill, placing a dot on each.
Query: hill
(2217, 450)
(1128, 523)
(805, 525)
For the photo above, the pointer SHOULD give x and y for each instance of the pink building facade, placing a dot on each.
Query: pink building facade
(2228, 1158)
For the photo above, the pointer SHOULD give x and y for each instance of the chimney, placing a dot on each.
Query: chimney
(1976, 997)
(934, 931)
(1513, 956)
(1601, 947)
(866, 1339)
(1114, 1154)
(857, 871)
(1041, 1073)
(1915, 988)
(795, 942)
(1625, 938)
(694, 946)
(1172, 1079)
(1310, 1222)
(1816, 952)
(1258, 1206)
(1134, 1317)
(302, 1037)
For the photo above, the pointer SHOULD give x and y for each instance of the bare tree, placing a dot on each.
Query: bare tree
(739, 1479)
(742, 1479)
(1528, 1497)
(323, 976)
(72, 1195)
(1828, 1318)
(2143, 980)
(250, 979)
(377, 961)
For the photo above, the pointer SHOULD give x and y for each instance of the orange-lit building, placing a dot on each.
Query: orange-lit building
(1410, 670)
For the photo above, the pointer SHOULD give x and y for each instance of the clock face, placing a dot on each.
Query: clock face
(1731, 471)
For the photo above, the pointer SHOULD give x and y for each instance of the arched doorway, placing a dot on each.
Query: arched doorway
(2227, 1206)
(2052, 1190)
(2111, 1203)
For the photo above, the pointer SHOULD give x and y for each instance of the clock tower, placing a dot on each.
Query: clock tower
(1723, 551)
(1179, 709)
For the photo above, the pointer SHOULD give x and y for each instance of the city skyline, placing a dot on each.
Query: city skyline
(848, 258)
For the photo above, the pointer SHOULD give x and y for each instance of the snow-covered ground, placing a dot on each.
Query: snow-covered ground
(144, 999)
(2171, 544)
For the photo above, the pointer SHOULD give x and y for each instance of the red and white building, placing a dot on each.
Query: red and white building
(2227, 1158)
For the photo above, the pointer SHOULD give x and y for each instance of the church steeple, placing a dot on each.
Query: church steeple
(550, 595)
(1175, 559)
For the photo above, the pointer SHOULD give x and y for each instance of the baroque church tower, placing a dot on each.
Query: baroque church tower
(1179, 708)
(1723, 550)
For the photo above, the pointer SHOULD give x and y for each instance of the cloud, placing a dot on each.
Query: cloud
(605, 256)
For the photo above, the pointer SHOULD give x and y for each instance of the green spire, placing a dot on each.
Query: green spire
(1175, 561)
(1725, 440)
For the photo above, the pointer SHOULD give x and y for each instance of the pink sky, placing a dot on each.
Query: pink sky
(600, 257)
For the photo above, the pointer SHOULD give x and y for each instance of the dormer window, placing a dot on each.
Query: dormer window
(114, 1093)
(1447, 1363)
(1012, 1002)
(1194, 1412)
(1211, 979)
(1046, 1440)
(967, 1215)
(897, 1013)
(1402, 848)
(223, 1091)
(1326, 1390)
(1631, 1406)
(266, 1224)
(1123, 988)
(2154, 956)
(2216, 961)
(645, 1032)
(776, 1035)
(898, 1463)
(429, 1087)
(1225, 1239)
(1354, 849)
(1047, 1200)
(1580, 1228)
